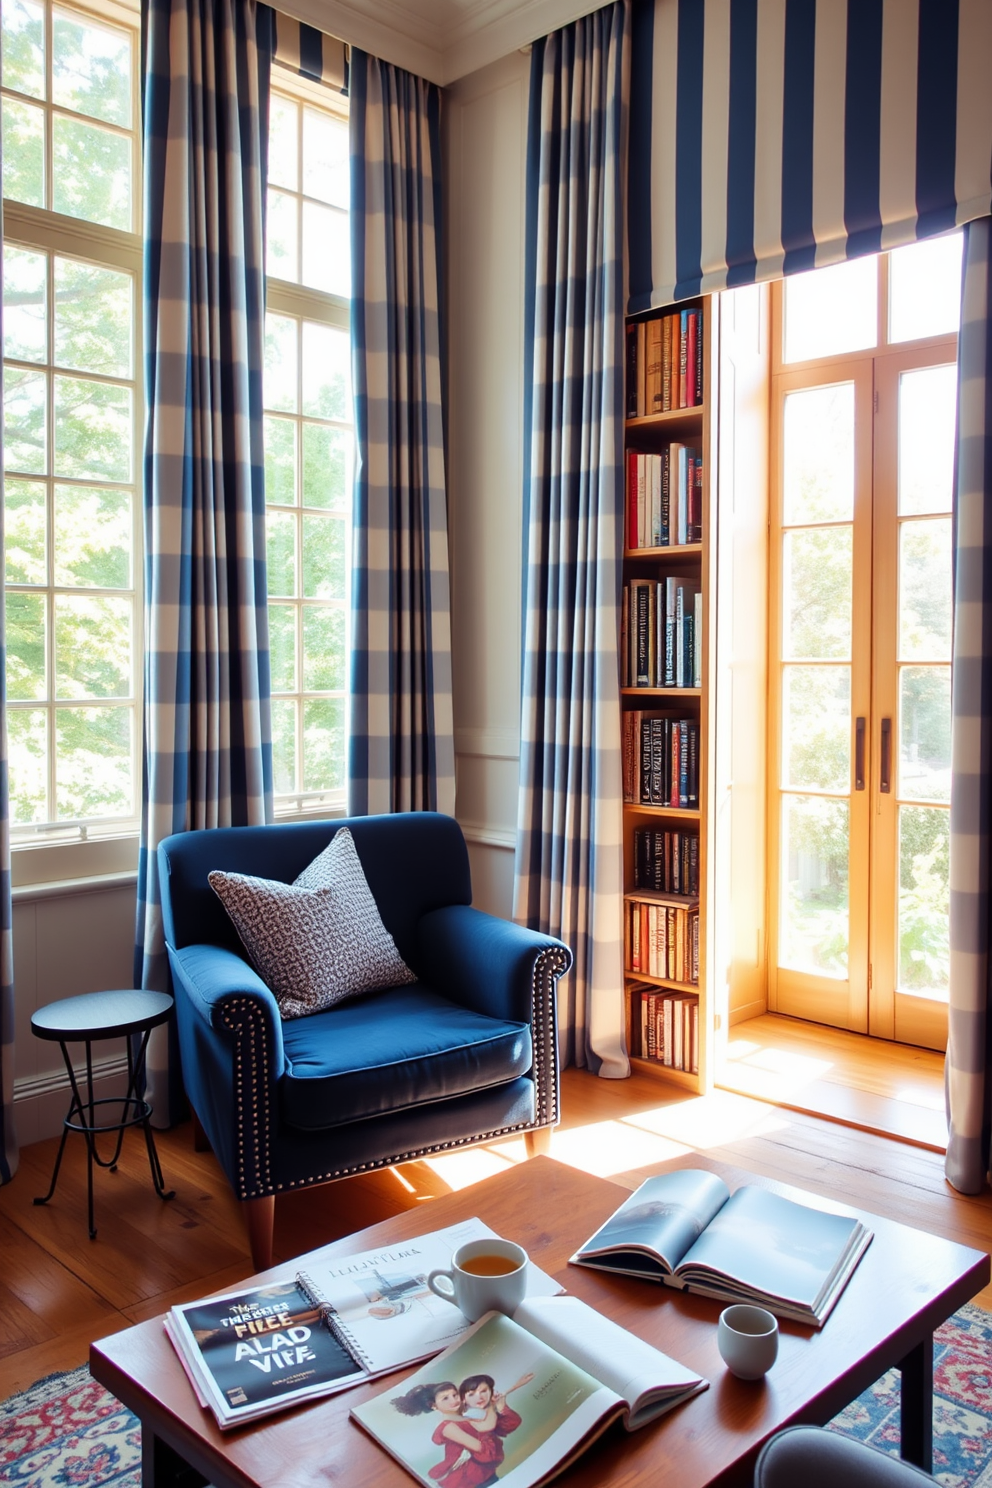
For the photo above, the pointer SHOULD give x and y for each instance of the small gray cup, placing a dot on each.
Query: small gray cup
(747, 1338)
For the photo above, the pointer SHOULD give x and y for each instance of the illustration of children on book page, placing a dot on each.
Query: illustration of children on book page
(497, 1403)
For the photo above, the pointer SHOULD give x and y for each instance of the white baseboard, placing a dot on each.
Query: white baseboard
(41, 1101)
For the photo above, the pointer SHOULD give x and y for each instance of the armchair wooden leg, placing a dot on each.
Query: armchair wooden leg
(201, 1142)
(538, 1143)
(261, 1214)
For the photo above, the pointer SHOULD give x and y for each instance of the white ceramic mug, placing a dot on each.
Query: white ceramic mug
(476, 1294)
(747, 1338)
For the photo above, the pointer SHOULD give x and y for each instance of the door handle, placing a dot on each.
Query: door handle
(884, 783)
(859, 754)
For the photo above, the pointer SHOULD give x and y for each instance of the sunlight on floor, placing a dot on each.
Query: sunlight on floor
(921, 1095)
(777, 1072)
(709, 1121)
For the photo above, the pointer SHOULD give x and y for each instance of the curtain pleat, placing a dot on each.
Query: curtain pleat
(207, 743)
(8, 1134)
(569, 870)
(400, 734)
(968, 1068)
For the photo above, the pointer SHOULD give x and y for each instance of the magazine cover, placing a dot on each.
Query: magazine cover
(500, 1405)
(263, 1348)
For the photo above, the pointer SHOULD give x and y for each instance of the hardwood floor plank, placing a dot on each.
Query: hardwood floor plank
(37, 1292)
(68, 1350)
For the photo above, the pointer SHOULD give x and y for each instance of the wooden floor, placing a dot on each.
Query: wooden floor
(59, 1290)
(893, 1089)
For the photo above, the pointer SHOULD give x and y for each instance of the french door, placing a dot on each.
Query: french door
(859, 793)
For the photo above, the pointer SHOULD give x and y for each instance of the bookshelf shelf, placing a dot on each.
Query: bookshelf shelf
(668, 608)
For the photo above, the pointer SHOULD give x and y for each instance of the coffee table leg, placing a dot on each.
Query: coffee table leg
(162, 1466)
(916, 1407)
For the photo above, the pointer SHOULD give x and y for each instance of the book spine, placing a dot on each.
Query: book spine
(669, 674)
(680, 636)
(631, 499)
(631, 371)
(655, 500)
(332, 1321)
(666, 364)
(692, 780)
(692, 336)
(640, 369)
(683, 356)
(652, 390)
(699, 356)
(697, 641)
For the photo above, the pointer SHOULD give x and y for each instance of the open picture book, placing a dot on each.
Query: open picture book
(522, 1397)
(341, 1320)
(686, 1229)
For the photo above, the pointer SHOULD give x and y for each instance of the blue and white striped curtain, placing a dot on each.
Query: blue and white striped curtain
(8, 1134)
(400, 734)
(968, 1068)
(308, 52)
(208, 752)
(569, 868)
(772, 136)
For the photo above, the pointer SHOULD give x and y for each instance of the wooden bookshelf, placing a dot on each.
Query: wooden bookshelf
(689, 565)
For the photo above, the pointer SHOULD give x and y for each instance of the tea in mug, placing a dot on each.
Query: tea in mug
(489, 1265)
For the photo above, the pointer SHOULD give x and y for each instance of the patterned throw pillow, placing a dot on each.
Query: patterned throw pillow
(318, 940)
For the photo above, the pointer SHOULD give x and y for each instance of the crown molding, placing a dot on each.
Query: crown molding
(458, 38)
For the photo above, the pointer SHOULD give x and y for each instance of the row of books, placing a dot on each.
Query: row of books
(668, 1024)
(662, 938)
(666, 862)
(665, 363)
(660, 760)
(660, 623)
(664, 497)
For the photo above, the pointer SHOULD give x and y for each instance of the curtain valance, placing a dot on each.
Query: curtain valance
(308, 52)
(772, 136)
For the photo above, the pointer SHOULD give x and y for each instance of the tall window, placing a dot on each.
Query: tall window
(71, 289)
(863, 449)
(309, 442)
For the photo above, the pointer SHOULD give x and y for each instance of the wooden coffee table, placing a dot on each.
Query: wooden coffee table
(907, 1283)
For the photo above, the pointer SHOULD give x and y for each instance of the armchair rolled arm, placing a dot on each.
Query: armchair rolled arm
(233, 1056)
(504, 971)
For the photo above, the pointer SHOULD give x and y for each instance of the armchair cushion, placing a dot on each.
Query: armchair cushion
(391, 1051)
(318, 940)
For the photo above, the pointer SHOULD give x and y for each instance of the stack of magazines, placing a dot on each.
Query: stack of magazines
(339, 1321)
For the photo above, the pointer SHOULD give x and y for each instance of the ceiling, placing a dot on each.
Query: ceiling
(439, 39)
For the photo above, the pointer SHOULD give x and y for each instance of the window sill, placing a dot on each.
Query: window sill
(38, 867)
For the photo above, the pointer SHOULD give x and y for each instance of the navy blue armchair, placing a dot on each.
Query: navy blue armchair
(466, 1054)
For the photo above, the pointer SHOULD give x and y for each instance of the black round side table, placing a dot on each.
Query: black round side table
(84, 1019)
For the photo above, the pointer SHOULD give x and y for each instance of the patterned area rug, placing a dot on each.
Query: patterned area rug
(68, 1432)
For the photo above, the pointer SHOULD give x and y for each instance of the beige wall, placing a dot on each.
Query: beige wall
(485, 141)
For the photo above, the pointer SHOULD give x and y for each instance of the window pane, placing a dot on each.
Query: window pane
(326, 372)
(323, 558)
(323, 744)
(282, 237)
(927, 427)
(925, 733)
(92, 646)
(326, 249)
(819, 455)
(25, 646)
(283, 747)
(280, 362)
(326, 466)
(925, 590)
(91, 68)
(24, 532)
(326, 159)
(816, 585)
(814, 910)
(92, 173)
(925, 288)
(284, 165)
(23, 153)
(924, 901)
(831, 310)
(92, 318)
(323, 650)
(282, 647)
(816, 725)
(25, 293)
(280, 530)
(27, 742)
(92, 537)
(280, 461)
(93, 763)
(24, 420)
(23, 38)
(92, 429)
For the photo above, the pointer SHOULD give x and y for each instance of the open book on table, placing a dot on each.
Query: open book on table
(340, 1321)
(523, 1396)
(686, 1229)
